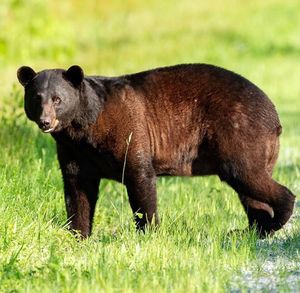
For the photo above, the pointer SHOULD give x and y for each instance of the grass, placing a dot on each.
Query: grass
(192, 250)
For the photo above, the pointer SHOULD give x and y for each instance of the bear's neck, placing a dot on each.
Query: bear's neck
(92, 98)
(94, 92)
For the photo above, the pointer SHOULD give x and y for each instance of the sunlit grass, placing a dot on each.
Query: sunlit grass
(193, 250)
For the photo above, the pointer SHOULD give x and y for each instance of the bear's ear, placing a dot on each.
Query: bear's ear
(75, 75)
(25, 74)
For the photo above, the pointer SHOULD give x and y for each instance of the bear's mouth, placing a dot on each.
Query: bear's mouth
(49, 130)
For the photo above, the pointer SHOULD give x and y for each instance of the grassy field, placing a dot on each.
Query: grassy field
(193, 250)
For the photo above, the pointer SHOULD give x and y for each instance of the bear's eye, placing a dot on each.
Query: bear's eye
(56, 100)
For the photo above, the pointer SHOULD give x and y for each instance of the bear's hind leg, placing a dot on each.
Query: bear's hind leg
(262, 198)
(260, 215)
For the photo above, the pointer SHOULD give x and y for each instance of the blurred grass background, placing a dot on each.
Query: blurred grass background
(192, 250)
(252, 37)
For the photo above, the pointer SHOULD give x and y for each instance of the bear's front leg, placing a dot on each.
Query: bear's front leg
(81, 197)
(141, 191)
(81, 191)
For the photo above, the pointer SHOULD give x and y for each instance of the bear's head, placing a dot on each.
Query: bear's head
(52, 97)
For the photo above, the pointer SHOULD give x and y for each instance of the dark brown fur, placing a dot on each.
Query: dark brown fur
(185, 120)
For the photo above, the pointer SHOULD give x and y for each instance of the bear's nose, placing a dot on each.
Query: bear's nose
(45, 123)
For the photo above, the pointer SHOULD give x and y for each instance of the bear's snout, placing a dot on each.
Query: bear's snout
(45, 123)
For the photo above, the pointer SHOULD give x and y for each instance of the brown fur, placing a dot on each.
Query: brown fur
(186, 120)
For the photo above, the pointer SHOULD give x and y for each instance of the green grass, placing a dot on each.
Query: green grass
(193, 250)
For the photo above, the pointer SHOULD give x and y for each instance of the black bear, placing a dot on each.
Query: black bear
(183, 120)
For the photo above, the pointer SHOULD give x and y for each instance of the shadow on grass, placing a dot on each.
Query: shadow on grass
(283, 245)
